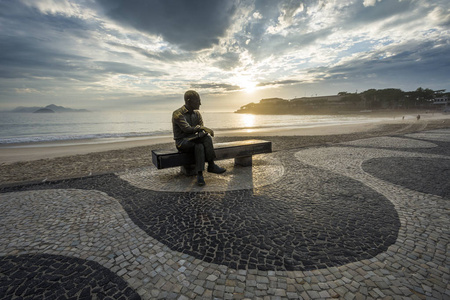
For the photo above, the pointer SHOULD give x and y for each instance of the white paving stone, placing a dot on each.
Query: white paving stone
(266, 169)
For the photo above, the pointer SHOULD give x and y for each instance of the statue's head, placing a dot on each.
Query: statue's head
(192, 100)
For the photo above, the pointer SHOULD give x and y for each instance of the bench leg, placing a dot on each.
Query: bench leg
(188, 170)
(245, 161)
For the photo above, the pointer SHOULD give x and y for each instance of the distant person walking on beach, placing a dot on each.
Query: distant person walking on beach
(191, 136)
(418, 117)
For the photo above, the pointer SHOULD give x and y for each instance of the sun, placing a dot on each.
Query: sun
(248, 86)
(246, 83)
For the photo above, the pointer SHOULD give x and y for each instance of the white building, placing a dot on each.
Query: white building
(441, 100)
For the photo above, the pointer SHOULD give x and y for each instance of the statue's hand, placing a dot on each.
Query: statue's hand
(202, 133)
(210, 131)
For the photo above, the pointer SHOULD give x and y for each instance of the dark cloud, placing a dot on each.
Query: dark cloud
(226, 61)
(49, 49)
(278, 45)
(165, 55)
(423, 64)
(217, 86)
(268, 13)
(121, 68)
(39, 45)
(24, 58)
(280, 82)
(358, 14)
(29, 58)
(262, 43)
(192, 25)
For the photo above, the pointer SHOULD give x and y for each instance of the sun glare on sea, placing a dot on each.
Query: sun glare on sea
(248, 120)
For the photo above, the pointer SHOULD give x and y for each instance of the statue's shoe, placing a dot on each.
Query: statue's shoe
(200, 180)
(216, 169)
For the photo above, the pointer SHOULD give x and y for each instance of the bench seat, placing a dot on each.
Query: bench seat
(241, 151)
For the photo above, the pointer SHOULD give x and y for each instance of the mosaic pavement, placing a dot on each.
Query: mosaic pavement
(363, 219)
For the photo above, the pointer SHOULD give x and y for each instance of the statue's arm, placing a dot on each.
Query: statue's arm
(206, 129)
(180, 120)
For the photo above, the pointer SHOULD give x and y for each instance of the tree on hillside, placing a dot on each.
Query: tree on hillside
(370, 99)
(390, 97)
(353, 99)
(420, 97)
(439, 93)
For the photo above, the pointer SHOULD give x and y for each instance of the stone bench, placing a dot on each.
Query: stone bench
(241, 151)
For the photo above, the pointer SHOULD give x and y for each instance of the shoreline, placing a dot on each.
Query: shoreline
(20, 152)
(46, 163)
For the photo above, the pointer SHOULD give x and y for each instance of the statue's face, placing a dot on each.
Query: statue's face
(195, 103)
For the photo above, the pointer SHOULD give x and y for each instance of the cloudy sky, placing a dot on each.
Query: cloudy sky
(144, 54)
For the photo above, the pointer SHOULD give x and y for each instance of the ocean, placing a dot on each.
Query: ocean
(20, 128)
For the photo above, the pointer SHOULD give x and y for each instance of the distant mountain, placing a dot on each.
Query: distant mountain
(44, 110)
(22, 109)
(57, 108)
(52, 107)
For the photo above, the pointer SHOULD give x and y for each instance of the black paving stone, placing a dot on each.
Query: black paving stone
(294, 224)
(42, 276)
(426, 175)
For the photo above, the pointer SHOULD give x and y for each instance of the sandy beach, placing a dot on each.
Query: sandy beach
(52, 161)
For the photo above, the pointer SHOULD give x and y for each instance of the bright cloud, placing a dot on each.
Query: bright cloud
(369, 2)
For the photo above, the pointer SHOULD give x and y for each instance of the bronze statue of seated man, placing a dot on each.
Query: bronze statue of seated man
(191, 135)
